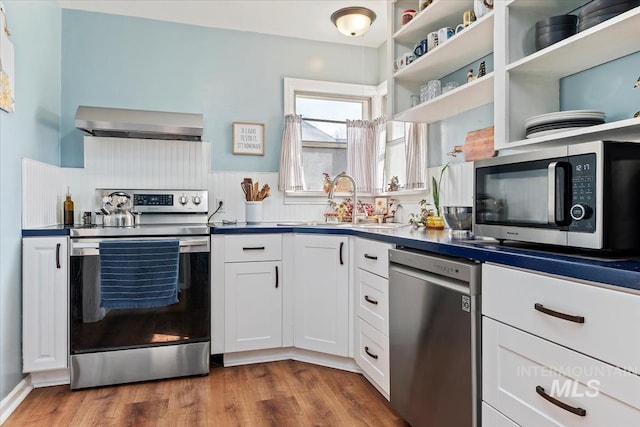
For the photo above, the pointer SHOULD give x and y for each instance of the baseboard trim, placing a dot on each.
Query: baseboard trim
(292, 353)
(50, 378)
(15, 398)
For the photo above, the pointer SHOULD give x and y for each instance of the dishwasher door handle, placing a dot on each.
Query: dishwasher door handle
(431, 278)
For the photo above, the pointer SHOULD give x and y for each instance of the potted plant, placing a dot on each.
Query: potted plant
(436, 221)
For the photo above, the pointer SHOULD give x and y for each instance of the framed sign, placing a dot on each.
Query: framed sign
(248, 138)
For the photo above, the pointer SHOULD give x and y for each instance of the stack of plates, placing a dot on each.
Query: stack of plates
(555, 28)
(547, 124)
(600, 10)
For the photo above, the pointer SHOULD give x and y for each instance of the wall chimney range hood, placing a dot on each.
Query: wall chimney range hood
(124, 123)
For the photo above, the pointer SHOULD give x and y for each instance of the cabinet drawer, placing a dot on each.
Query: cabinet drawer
(255, 247)
(372, 353)
(520, 369)
(522, 299)
(372, 294)
(493, 418)
(373, 256)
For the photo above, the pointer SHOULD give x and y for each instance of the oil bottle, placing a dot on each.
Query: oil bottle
(68, 209)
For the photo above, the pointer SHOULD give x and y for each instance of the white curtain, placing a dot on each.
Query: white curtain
(415, 137)
(366, 142)
(291, 177)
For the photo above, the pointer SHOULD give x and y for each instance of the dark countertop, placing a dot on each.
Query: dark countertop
(613, 270)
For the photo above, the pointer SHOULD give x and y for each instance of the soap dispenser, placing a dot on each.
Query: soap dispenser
(68, 209)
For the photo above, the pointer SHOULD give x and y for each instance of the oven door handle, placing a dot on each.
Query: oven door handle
(92, 248)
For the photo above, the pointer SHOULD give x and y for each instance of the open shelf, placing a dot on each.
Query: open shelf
(612, 39)
(463, 98)
(440, 13)
(621, 130)
(474, 42)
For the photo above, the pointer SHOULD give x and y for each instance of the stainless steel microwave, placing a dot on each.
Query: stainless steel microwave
(585, 195)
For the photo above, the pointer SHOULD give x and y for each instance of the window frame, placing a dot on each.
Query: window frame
(293, 86)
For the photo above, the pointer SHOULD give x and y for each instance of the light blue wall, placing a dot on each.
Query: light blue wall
(608, 88)
(33, 132)
(117, 61)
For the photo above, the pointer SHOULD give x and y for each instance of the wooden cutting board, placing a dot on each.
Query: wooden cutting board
(478, 144)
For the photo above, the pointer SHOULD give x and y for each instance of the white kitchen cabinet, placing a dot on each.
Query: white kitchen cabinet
(253, 283)
(553, 353)
(253, 305)
(471, 44)
(538, 383)
(321, 301)
(567, 312)
(45, 302)
(493, 418)
(371, 334)
(528, 83)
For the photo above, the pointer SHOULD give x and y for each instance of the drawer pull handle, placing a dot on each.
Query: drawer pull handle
(341, 246)
(58, 255)
(277, 279)
(369, 300)
(571, 318)
(253, 248)
(572, 409)
(373, 257)
(371, 355)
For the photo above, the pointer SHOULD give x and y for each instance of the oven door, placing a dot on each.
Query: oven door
(524, 197)
(95, 329)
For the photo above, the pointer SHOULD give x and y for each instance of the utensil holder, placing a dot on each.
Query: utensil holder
(253, 212)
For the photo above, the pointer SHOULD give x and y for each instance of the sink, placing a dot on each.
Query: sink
(312, 224)
(383, 226)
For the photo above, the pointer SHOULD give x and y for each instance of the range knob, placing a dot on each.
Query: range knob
(580, 211)
(196, 200)
(183, 200)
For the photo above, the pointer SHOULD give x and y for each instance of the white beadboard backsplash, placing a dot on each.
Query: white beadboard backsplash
(155, 164)
(42, 194)
(146, 163)
(226, 186)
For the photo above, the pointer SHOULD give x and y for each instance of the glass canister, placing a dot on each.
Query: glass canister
(434, 89)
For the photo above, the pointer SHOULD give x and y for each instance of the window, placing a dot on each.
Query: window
(325, 107)
(395, 162)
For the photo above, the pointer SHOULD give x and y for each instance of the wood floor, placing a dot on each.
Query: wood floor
(283, 393)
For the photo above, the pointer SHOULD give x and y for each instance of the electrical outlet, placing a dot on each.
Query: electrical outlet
(218, 202)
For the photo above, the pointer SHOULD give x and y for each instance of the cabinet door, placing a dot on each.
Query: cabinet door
(44, 303)
(253, 305)
(322, 294)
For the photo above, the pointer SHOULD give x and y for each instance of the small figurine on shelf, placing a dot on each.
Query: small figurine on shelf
(326, 184)
(482, 71)
(470, 76)
(394, 184)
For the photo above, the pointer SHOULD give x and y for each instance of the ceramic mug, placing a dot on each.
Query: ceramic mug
(432, 40)
(420, 48)
(445, 34)
(459, 28)
(468, 17)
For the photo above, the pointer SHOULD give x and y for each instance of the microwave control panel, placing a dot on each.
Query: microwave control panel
(583, 193)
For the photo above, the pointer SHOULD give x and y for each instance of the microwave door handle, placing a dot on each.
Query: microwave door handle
(558, 193)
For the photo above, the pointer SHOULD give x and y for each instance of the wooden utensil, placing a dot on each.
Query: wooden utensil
(478, 144)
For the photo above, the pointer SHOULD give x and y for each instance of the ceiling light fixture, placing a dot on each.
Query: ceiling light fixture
(353, 21)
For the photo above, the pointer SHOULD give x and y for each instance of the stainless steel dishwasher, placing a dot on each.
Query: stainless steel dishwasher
(434, 336)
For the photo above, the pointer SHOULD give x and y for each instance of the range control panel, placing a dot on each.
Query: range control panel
(162, 201)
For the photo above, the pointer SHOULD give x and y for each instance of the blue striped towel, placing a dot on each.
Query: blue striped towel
(139, 273)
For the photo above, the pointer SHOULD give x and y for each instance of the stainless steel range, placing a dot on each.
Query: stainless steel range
(140, 294)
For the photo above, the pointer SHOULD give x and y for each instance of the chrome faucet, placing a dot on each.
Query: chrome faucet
(354, 212)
